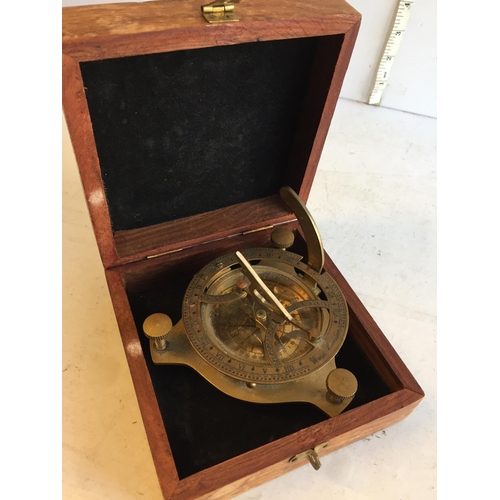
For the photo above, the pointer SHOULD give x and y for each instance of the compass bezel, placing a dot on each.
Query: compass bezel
(267, 374)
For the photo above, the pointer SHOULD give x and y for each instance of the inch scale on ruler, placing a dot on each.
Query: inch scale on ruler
(390, 51)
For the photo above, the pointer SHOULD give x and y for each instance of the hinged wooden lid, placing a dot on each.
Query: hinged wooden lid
(184, 131)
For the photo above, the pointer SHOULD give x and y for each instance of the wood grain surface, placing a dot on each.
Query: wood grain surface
(226, 222)
(150, 412)
(321, 100)
(82, 136)
(116, 30)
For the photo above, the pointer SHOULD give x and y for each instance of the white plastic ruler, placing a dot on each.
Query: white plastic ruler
(390, 51)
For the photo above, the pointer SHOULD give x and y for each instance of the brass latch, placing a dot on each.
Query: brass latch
(220, 11)
(311, 455)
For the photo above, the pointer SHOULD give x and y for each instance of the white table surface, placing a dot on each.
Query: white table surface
(374, 200)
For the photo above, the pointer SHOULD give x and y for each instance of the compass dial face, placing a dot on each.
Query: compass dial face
(241, 335)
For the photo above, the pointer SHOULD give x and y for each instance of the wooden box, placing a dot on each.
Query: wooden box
(184, 132)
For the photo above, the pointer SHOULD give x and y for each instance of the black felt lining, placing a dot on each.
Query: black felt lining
(206, 427)
(187, 132)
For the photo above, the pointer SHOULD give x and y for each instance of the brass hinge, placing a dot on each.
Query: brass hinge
(164, 253)
(244, 233)
(220, 11)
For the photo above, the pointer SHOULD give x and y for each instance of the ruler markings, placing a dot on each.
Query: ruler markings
(391, 48)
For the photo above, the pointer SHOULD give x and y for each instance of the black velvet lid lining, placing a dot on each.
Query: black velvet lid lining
(183, 133)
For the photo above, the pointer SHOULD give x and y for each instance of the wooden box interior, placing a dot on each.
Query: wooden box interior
(205, 426)
(182, 147)
(198, 436)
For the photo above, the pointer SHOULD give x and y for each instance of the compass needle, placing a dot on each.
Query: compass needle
(259, 339)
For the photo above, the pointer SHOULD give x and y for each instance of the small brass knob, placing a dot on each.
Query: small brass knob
(282, 238)
(261, 315)
(157, 327)
(341, 384)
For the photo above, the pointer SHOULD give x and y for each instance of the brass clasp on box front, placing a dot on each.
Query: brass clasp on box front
(220, 11)
(311, 455)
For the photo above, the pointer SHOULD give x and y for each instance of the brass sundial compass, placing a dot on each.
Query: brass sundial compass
(263, 326)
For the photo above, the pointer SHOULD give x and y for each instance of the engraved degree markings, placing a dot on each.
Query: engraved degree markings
(277, 371)
(220, 299)
(309, 304)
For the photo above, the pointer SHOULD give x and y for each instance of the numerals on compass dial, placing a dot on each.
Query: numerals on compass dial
(241, 334)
